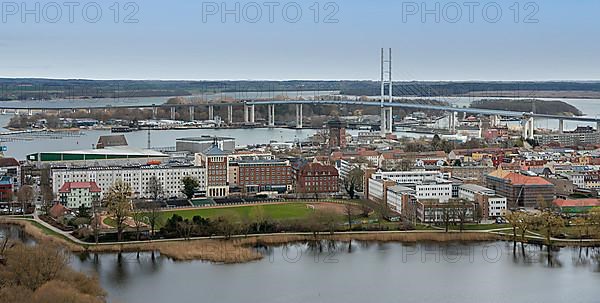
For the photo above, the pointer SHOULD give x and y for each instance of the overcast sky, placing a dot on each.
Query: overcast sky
(176, 39)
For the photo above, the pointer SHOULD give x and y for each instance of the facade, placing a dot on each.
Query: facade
(11, 169)
(583, 135)
(111, 140)
(399, 198)
(316, 178)
(200, 144)
(435, 212)
(521, 190)
(476, 173)
(263, 175)
(337, 133)
(137, 176)
(116, 155)
(408, 176)
(377, 189)
(216, 163)
(491, 205)
(74, 195)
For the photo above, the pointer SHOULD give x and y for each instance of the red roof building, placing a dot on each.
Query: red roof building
(77, 194)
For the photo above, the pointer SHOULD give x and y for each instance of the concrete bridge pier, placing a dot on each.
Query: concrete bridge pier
(89, 111)
(598, 126)
(211, 112)
(154, 112)
(271, 110)
(172, 113)
(252, 114)
(561, 126)
(452, 121)
(30, 112)
(528, 127)
(246, 114)
(387, 123)
(230, 114)
(299, 116)
(192, 112)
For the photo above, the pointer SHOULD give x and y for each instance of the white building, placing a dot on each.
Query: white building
(397, 196)
(438, 189)
(494, 205)
(409, 176)
(138, 176)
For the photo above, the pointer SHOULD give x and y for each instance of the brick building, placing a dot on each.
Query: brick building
(315, 178)
(263, 175)
(216, 163)
(521, 190)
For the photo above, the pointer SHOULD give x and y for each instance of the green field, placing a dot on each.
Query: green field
(275, 211)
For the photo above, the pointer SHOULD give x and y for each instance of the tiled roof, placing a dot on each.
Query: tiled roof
(577, 202)
(8, 162)
(518, 179)
(68, 186)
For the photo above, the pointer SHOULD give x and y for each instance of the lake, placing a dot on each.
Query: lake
(359, 272)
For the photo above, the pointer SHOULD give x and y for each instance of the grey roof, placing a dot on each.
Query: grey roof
(475, 187)
(400, 188)
(215, 151)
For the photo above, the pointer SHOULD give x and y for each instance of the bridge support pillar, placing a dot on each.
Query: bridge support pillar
(89, 111)
(561, 126)
(4, 111)
(211, 112)
(387, 121)
(271, 109)
(192, 112)
(252, 114)
(172, 113)
(299, 116)
(452, 121)
(598, 126)
(30, 112)
(246, 114)
(528, 127)
(154, 112)
(230, 114)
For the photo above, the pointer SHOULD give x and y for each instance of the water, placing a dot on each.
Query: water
(391, 272)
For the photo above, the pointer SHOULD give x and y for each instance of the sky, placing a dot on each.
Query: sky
(283, 40)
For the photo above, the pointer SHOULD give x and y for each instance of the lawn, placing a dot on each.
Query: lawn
(274, 211)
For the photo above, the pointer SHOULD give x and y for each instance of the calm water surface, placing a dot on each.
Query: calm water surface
(365, 272)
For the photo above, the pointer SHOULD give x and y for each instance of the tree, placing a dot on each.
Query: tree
(118, 204)
(525, 222)
(138, 222)
(227, 224)
(259, 218)
(47, 198)
(155, 189)
(154, 216)
(25, 196)
(39, 274)
(513, 219)
(462, 212)
(550, 224)
(189, 186)
(353, 181)
(349, 212)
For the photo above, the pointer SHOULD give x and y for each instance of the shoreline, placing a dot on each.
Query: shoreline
(239, 249)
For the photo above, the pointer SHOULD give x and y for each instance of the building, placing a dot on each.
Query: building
(11, 169)
(399, 198)
(432, 211)
(200, 144)
(168, 176)
(491, 205)
(415, 176)
(111, 141)
(521, 190)
(216, 163)
(254, 176)
(377, 189)
(116, 155)
(315, 178)
(438, 189)
(337, 133)
(74, 195)
(469, 172)
(7, 191)
(575, 206)
(583, 135)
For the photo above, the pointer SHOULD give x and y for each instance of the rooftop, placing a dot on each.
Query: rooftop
(68, 186)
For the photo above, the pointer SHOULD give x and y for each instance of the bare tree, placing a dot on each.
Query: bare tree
(550, 224)
(118, 203)
(25, 196)
(155, 188)
(138, 222)
(350, 213)
(154, 216)
(353, 182)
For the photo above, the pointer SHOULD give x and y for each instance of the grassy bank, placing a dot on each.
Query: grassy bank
(237, 250)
